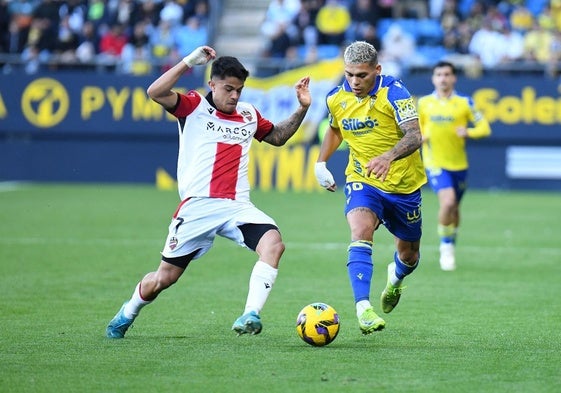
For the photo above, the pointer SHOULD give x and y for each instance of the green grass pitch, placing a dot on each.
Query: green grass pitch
(71, 254)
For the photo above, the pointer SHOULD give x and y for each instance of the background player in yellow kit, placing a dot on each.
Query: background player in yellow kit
(447, 120)
(376, 116)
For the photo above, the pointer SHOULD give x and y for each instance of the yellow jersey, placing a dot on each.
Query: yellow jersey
(370, 126)
(439, 118)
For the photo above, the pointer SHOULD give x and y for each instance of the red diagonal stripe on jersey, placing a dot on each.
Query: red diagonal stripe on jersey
(225, 171)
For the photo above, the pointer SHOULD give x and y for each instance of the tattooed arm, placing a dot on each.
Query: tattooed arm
(410, 143)
(285, 129)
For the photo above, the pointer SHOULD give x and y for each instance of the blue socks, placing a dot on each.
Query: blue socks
(360, 268)
(401, 269)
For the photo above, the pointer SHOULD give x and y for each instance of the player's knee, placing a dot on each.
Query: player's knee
(277, 248)
(449, 204)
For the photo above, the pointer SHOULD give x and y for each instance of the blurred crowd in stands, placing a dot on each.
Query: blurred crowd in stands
(126, 36)
(477, 35)
(143, 36)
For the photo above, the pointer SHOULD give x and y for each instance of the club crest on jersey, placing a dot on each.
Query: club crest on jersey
(172, 243)
(247, 115)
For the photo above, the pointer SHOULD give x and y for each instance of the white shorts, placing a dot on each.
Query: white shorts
(199, 220)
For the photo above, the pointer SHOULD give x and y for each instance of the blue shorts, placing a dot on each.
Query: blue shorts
(400, 213)
(442, 178)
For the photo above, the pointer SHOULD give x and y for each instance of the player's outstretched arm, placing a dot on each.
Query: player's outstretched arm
(161, 89)
(284, 130)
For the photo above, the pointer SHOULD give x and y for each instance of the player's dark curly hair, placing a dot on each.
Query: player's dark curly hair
(226, 66)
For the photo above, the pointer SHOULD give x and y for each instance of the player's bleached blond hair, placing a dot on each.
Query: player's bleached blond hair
(360, 52)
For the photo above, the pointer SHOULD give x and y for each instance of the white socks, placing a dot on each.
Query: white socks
(132, 308)
(361, 306)
(261, 282)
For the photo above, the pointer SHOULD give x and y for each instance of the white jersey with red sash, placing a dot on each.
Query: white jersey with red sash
(214, 147)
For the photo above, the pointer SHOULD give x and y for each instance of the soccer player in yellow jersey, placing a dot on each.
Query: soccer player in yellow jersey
(447, 120)
(376, 116)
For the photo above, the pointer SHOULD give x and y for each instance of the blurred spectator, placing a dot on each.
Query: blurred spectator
(332, 21)
(189, 36)
(67, 42)
(363, 19)
(553, 64)
(162, 41)
(410, 9)
(33, 59)
(486, 45)
(97, 12)
(44, 26)
(172, 13)
(136, 56)
(4, 26)
(276, 25)
(111, 45)
(86, 51)
(16, 37)
(475, 16)
(521, 19)
(537, 44)
(556, 12)
(495, 18)
(124, 13)
(76, 11)
(450, 16)
(545, 18)
(201, 12)
(149, 11)
(436, 7)
(369, 33)
(303, 25)
(399, 51)
(22, 13)
(385, 8)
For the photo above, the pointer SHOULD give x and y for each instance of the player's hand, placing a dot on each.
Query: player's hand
(462, 132)
(379, 167)
(324, 177)
(200, 56)
(303, 92)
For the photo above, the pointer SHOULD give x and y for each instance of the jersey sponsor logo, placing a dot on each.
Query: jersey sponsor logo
(358, 124)
(233, 133)
(441, 119)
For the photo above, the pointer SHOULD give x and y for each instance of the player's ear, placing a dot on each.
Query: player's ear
(378, 69)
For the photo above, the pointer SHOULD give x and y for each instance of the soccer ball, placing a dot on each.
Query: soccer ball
(317, 324)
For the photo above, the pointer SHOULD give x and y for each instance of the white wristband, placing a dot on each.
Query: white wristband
(187, 62)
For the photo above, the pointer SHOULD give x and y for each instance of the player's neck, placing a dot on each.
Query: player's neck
(444, 94)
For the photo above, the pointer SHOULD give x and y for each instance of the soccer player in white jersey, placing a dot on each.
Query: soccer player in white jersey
(215, 135)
